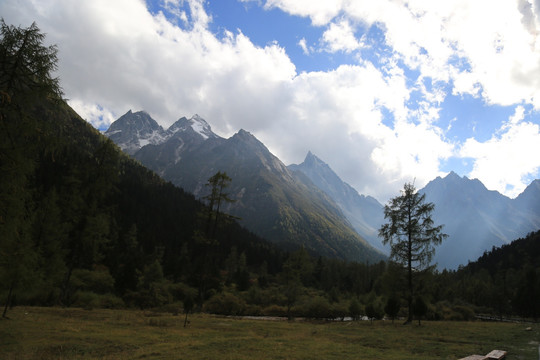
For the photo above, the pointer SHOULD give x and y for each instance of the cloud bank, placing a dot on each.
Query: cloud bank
(376, 121)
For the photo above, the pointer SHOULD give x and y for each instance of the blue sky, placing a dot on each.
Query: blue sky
(384, 92)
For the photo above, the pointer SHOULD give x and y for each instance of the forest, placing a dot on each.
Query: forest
(84, 225)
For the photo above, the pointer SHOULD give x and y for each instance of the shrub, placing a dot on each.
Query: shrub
(355, 309)
(340, 310)
(318, 308)
(274, 310)
(392, 307)
(225, 304)
(89, 300)
(465, 312)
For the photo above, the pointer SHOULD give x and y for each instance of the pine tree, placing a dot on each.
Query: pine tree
(411, 234)
(217, 183)
(26, 66)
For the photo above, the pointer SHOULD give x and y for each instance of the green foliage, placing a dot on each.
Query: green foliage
(420, 308)
(225, 304)
(392, 307)
(90, 300)
(410, 233)
(97, 280)
(318, 307)
(82, 224)
(25, 81)
(355, 309)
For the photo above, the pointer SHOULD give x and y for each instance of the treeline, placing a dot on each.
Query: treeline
(83, 225)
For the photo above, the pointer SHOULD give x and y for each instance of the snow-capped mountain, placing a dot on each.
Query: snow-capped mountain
(270, 200)
(196, 124)
(132, 131)
(309, 204)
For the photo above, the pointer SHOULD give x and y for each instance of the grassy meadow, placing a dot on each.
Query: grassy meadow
(55, 333)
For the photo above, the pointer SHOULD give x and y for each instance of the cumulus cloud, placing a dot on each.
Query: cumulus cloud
(340, 37)
(506, 161)
(116, 56)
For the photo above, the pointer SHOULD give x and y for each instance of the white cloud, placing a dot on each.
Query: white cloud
(303, 44)
(500, 51)
(321, 12)
(507, 161)
(340, 37)
(116, 56)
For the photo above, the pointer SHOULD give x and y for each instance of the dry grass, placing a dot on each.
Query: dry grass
(53, 333)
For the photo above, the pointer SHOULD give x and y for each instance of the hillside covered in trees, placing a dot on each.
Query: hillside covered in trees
(84, 225)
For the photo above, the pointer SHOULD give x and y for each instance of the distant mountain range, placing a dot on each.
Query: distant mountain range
(273, 201)
(308, 204)
(478, 219)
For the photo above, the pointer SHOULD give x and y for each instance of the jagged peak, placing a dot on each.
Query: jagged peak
(139, 120)
(312, 159)
(197, 117)
(453, 174)
(195, 123)
(244, 134)
(248, 138)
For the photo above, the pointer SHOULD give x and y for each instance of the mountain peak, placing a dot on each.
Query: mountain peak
(452, 175)
(200, 126)
(245, 136)
(134, 130)
(196, 124)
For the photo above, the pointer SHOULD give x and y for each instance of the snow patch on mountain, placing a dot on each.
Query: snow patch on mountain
(134, 131)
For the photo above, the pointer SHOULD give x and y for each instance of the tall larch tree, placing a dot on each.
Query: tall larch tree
(26, 81)
(411, 233)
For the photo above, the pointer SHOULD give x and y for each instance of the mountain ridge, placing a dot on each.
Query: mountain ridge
(271, 200)
(475, 218)
(364, 212)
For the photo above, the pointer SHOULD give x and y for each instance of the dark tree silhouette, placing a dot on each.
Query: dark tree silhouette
(411, 234)
(217, 183)
(25, 80)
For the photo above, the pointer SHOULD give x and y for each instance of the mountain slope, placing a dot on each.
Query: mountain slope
(271, 201)
(476, 218)
(365, 213)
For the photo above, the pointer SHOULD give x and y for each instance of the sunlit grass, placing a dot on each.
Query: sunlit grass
(53, 333)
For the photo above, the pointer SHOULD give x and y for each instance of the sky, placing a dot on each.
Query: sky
(385, 92)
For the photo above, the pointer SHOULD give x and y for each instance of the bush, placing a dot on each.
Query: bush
(340, 310)
(392, 307)
(355, 309)
(445, 311)
(225, 304)
(89, 300)
(98, 280)
(465, 312)
(317, 308)
(275, 310)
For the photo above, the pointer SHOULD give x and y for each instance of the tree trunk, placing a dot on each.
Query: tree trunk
(410, 283)
(65, 296)
(8, 300)
(185, 320)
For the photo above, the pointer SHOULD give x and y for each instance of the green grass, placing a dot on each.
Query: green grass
(53, 333)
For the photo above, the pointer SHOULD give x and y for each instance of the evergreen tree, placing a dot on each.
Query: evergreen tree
(392, 307)
(419, 308)
(411, 234)
(217, 183)
(26, 66)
